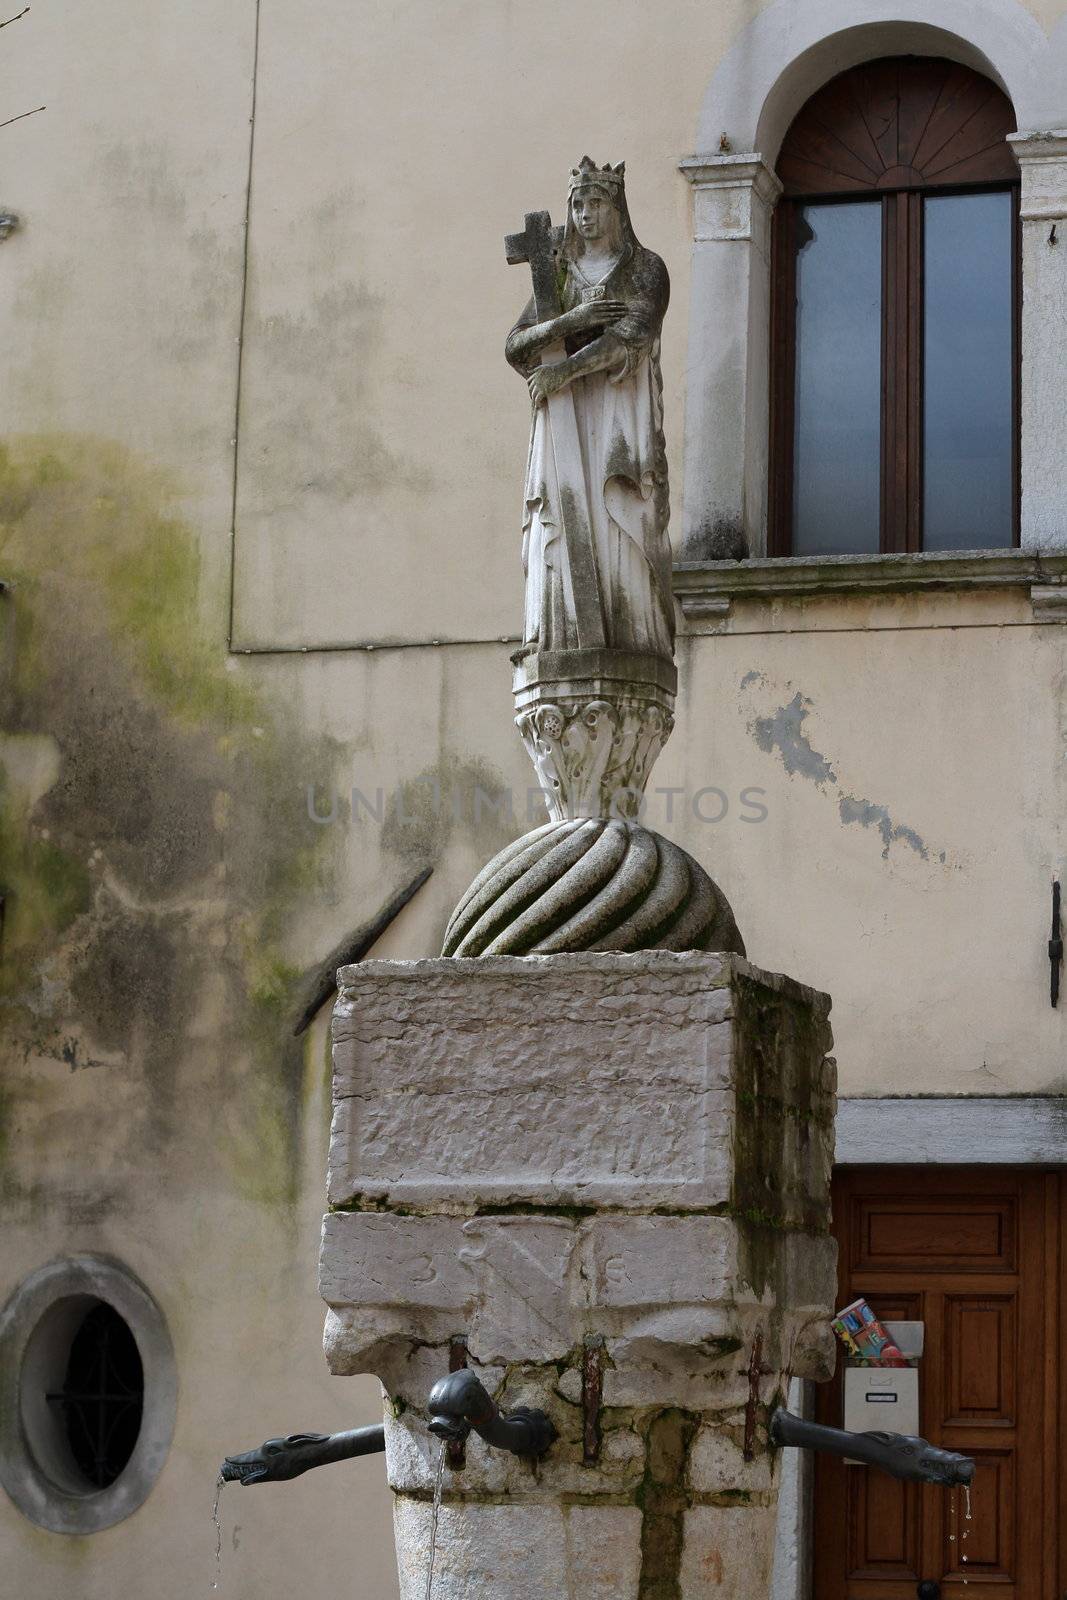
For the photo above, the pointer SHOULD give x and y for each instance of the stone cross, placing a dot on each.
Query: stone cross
(537, 245)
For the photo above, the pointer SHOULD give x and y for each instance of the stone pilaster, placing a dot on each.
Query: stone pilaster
(604, 1179)
(1042, 159)
(727, 400)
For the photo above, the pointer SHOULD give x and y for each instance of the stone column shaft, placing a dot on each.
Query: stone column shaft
(727, 400)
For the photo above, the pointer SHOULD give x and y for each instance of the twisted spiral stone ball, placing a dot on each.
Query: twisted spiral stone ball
(591, 884)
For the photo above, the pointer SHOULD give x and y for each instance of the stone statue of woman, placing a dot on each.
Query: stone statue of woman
(595, 681)
(613, 295)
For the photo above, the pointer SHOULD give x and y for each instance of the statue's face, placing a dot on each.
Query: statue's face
(594, 216)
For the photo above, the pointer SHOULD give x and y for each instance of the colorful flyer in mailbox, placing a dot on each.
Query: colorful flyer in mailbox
(864, 1337)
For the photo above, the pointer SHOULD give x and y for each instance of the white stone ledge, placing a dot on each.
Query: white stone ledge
(707, 588)
(952, 1131)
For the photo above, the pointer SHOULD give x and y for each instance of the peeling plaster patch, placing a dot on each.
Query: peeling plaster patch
(869, 815)
(68, 1055)
(784, 732)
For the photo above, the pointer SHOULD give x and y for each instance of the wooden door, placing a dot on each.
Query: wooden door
(974, 1254)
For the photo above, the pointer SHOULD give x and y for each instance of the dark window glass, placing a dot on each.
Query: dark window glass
(837, 418)
(968, 425)
(102, 1395)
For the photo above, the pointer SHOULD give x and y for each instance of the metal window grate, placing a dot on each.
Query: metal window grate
(102, 1397)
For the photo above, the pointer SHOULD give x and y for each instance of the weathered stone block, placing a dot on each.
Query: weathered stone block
(717, 1462)
(663, 1261)
(530, 1288)
(658, 1079)
(438, 1275)
(728, 1551)
(529, 1552)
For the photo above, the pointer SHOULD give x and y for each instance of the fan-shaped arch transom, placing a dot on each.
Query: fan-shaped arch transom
(905, 122)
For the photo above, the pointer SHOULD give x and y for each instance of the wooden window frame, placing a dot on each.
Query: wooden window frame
(902, 359)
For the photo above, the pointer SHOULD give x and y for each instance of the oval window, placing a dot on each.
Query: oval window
(87, 1369)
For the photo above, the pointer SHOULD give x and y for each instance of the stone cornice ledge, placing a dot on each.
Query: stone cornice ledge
(706, 588)
(733, 171)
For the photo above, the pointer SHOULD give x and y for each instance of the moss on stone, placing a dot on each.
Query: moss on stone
(783, 1115)
(663, 1500)
(526, 1208)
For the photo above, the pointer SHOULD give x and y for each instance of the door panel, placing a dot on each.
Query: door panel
(973, 1253)
(883, 1528)
(909, 1235)
(980, 1356)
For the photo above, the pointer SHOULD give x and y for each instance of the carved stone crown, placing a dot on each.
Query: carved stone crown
(608, 177)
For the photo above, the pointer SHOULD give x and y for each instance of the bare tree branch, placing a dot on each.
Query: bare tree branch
(15, 18)
(22, 114)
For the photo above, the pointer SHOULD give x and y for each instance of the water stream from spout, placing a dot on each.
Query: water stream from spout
(220, 1484)
(437, 1488)
(967, 1525)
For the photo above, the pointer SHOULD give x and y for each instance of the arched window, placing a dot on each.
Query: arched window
(894, 421)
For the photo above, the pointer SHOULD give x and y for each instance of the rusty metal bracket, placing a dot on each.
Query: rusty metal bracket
(755, 1371)
(592, 1396)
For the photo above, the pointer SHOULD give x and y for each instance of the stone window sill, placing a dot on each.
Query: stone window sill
(708, 588)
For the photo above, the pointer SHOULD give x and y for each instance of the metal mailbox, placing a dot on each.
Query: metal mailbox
(886, 1399)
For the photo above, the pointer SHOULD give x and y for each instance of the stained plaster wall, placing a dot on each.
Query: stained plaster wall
(168, 894)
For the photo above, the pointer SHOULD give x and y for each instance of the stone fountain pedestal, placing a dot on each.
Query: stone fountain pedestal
(603, 1182)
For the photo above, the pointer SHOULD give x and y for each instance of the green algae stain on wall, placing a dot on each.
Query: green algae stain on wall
(153, 835)
(42, 883)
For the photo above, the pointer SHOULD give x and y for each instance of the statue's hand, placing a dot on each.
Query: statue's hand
(593, 314)
(542, 382)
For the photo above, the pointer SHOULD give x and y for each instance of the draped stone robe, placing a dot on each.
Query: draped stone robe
(620, 425)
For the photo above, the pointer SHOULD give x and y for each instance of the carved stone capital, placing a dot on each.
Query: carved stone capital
(593, 757)
(734, 196)
(534, 1150)
(1042, 158)
(593, 723)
